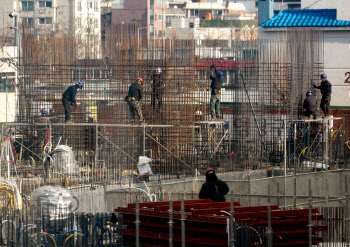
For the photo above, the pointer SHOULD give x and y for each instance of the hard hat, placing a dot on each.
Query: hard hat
(80, 84)
(44, 113)
(199, 113)
(140, 79)
(308, 93)
(158, 70)
(209, 170)
(219, 74)
(323, 75)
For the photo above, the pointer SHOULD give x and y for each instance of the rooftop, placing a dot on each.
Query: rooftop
(306, 18)
(232, 6)
(175, 11)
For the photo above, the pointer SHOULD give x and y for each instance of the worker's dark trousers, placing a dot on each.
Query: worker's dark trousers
(215, 105)
(310, 114)
(157, 95)
(135, 106)
(325, 104)
(67, 108)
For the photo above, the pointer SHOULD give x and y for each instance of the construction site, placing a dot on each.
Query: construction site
(81, 184)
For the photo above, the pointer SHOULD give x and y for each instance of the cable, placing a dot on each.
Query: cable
(111, 237)
(48, 234)
(32, 160)
(74, 197)
(303, 152)
(347, 144)
(59, 240)
(98, 224)
(75, 234)
(120, 182)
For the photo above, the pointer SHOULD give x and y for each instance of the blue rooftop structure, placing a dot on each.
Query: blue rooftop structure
(306, 18)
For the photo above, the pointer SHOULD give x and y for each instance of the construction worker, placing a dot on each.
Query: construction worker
(216, 84)
(133, 99)
(310, 106)
(213, 188)
(68, 100)
(326, 91)
(157, 88)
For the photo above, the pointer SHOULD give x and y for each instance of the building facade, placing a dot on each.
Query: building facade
(151, 14)
(80, 19)
(335, 35)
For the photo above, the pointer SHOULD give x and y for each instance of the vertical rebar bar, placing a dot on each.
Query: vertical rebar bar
(347, 211)
(285, 163)
(137, 222)
(171, 223)
(310, 214)
(269, 228)
(232, 223)
(295, 168)
(183, 239)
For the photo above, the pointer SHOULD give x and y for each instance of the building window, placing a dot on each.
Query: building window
(118, 4)
(96, 6)
(159, 17)
(27, 5)
(29, 22)
(45, 4)
(6, 84)
(79, 22)
(47, 20)
(90, 5)
(194, 13)
(217, 13)
(79, 6)
(294, 6)
(151, 15)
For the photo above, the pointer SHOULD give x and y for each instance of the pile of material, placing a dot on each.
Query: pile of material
(206, 224)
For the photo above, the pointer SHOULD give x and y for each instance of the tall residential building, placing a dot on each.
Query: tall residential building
(80, 19)
(150, 14)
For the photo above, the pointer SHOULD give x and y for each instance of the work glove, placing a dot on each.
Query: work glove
(315, 86)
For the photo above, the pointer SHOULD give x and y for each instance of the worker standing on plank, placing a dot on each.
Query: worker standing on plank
(133, 99)
(326, 91)
(157, 88)
(69, 101)
(213, 188)
(216, 84)
(310, 105)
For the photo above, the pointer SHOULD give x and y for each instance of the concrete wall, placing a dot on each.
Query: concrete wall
(336, 64)
(7, 107)
(6, 7)
(336, 53)
(253, 182)
(342, 6)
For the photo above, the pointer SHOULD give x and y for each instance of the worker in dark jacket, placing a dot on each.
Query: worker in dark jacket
(133, 99)
(157, 88)
(310, 105)
(213, 188)
(216, 84)
(326, 91)
(68, 100)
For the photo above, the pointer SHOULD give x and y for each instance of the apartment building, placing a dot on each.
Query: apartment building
(61, 17)
(149, 13)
